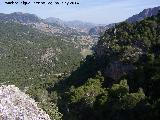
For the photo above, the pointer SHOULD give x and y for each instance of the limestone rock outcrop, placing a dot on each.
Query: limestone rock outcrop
(16, 105)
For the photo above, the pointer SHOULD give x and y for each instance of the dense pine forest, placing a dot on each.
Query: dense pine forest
(120, 80)
(28, 54)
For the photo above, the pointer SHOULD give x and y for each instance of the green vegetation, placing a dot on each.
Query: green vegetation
(134, 48)
(28, 56)
(32, 61)
(119, 81)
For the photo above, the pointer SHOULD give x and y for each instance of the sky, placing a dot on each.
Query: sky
(94, 11)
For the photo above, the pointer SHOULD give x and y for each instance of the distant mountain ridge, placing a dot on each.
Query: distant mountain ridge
(97, 30)
(75, 24)
(144, 14)
(53, 20)
(82, 26)
(87, 33)
(45, 60)
(70, 27)
(20, 17)
(51, 26)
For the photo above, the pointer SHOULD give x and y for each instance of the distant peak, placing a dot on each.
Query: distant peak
(20, 17)
(20, 13)
(142, 15)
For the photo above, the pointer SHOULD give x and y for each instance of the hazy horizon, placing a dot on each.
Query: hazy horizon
(92, 11)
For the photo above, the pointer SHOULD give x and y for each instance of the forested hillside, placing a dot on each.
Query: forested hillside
(27, 55)
(121, 80)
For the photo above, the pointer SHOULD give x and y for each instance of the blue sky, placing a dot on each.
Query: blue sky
(95, 11)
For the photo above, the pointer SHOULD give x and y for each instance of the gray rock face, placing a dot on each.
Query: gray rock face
(117, 69)
(16, 105)
(97, 30)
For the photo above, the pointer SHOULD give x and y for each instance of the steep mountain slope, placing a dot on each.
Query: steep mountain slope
(126, 43)
(50, 26)
(144, 14)
(121, 79)
(28, 55)
(97, 30)
(20, 17)
(16, 105)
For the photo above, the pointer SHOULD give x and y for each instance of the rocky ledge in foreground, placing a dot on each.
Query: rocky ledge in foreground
(16, 105)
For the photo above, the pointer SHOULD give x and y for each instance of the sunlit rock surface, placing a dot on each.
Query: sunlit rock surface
(16, 105)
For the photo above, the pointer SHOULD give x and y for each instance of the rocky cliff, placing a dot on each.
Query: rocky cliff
(16, 105)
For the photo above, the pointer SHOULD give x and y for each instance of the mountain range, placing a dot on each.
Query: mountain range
(59, 27)
(52, 61)
(76, 24)
(138, 17)
(144, 14)
(24, 28)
